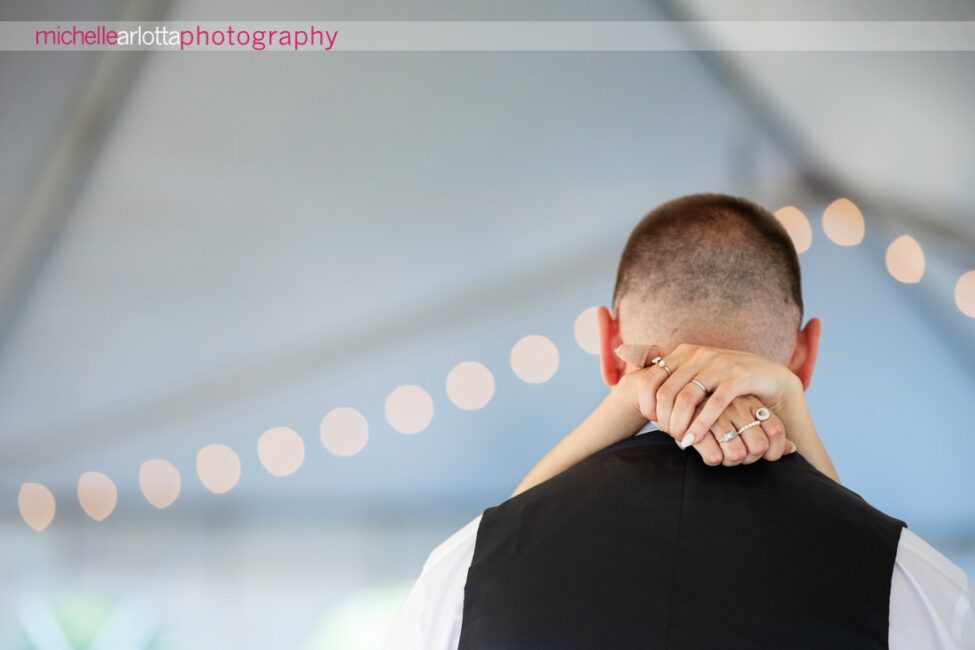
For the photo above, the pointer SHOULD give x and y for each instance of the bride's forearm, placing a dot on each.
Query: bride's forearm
(611, 421)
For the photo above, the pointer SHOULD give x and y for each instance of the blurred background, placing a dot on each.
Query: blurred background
(263, 316)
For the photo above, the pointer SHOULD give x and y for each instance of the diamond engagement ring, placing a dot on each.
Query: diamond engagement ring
(728, 437)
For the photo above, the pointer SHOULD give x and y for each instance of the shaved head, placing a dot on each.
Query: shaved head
(714, 270)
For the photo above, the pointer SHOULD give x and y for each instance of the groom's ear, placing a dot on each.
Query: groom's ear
(803, 360)
(611, 366)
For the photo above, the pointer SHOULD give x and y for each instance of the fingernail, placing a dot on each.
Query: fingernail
(794, 448)
(687, 441)
(635, 355)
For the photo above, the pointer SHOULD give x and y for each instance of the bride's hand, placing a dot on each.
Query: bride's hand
(709, 395)
(676, 401)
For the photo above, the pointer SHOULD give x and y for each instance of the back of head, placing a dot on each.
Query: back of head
(714, 270)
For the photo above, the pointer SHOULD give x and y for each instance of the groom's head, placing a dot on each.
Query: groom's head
(713, 270)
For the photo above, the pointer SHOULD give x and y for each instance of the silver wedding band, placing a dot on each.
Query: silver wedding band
(700, 385)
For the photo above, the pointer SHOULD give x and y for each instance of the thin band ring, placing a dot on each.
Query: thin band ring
(700, 385)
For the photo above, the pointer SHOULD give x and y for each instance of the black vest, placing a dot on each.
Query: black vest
(644, 546)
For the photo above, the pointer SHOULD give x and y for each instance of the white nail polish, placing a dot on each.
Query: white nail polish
(687, 441)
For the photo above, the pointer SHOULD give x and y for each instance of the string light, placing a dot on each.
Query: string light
(36, 505)
(470, 385)
(409, 409)
(965, 294)
(218, 467)
(905, 260)
(281, 451)
(534, 359)
(344, 431)
(843, 223)
(160, 482)
(586, 330)
(797, 225)
(97, 495)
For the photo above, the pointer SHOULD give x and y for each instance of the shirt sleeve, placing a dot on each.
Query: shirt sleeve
(431, 616)
(930, 600)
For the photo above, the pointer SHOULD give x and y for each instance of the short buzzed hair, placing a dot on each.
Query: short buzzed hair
(711, 269)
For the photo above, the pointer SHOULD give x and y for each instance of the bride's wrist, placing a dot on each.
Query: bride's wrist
(795, 414)
(623, 404)
(793, 394)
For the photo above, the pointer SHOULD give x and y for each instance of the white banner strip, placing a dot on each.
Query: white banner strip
(374, 36)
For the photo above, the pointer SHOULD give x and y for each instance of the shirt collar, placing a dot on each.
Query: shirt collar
(647, 428)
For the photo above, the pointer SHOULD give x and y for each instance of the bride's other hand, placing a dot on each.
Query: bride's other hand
(727, 444)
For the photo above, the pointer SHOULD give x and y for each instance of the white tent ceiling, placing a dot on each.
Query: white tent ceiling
(241, 223)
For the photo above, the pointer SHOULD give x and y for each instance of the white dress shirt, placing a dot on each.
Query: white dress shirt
(931, 603)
